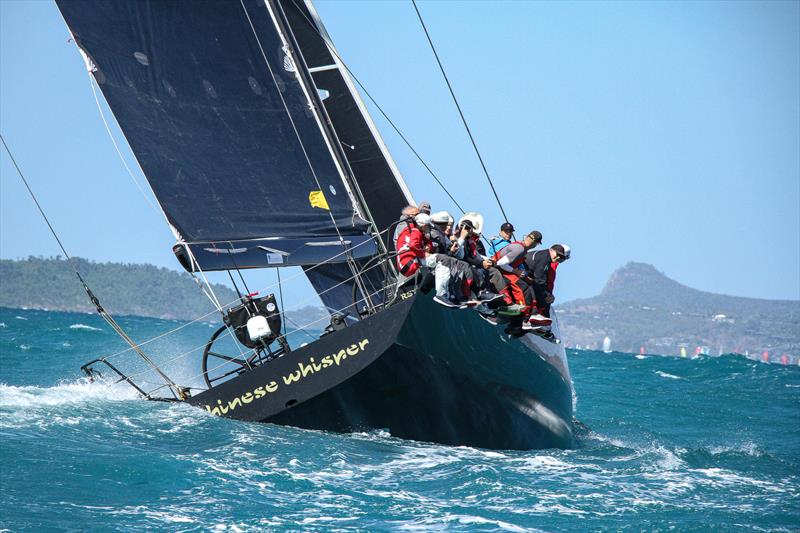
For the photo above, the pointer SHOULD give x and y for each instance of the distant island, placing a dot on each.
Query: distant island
(639, 308)
(123, 288)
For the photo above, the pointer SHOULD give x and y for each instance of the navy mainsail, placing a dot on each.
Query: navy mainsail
(210, 101)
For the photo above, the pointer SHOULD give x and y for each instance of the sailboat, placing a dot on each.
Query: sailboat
(262, 154)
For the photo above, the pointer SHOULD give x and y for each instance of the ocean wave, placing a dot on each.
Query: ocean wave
(84, 327)
(75, 392)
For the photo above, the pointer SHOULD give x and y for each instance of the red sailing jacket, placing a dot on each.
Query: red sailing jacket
(411, 246)
(551, 277)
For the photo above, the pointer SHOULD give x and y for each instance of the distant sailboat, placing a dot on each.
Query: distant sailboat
(607, 345)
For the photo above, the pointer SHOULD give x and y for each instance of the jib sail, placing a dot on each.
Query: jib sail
(380, 184)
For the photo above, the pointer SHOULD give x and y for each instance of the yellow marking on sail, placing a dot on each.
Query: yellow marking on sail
(317, 199)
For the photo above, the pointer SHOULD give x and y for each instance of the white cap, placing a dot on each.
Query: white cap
(422, 219)
(441, 217)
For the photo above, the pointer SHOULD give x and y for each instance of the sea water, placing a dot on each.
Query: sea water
(668, 444)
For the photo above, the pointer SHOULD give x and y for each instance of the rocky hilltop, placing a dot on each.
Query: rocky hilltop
(641, 307)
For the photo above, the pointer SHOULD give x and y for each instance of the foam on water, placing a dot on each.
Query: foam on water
(73, 392)
(84, 327)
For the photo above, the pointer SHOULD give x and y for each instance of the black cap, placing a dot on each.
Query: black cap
(535, 235)
(507, 226)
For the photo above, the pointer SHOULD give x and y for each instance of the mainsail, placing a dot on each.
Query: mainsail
(210, 101)
(249, 130)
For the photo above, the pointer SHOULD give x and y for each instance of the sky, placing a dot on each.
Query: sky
(660, 132)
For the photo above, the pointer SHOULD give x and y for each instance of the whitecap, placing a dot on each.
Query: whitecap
(3, 325)
(80, 391)
(20, 317)
(666, 375)
(639, 356)
(84, 327)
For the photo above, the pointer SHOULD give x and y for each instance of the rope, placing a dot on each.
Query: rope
(119, 152)
(463, 120)
(100, 309)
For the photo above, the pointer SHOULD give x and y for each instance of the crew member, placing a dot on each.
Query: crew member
(538, 268)
(412, 245)
(498, 242)
(406, 215)
(510, 261)
(439, 239)
(551, 274)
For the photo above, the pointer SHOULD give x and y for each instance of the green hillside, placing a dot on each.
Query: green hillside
(124, 289)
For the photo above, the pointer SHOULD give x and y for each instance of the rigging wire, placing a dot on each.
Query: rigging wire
(233, 302)
(300, 328)
(179, 393)
(197, 376)
(351, 262)
(461, 113)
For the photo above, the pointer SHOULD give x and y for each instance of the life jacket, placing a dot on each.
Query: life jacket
(513, 292)
(411, 245)
(498, 243)
(519, 262)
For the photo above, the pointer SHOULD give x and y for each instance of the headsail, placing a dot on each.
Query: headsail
(380, 183)
(211, 104)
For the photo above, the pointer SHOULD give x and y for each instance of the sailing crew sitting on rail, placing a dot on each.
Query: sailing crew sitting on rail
(425, 207)
(538, 271)
(498, 242)
(510, 261)
(449, 272)
(412, 245)
(406, 215)
(468, 251)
